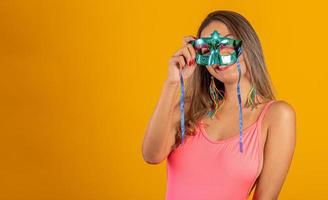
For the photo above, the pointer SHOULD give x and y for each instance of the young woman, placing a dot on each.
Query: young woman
(208, 164)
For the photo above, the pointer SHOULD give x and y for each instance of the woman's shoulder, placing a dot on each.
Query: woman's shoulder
(280, 114)
(281, 109)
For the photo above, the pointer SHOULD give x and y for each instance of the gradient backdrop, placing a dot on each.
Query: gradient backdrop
(79, 81)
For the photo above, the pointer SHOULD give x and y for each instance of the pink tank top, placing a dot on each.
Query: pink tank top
(203, 169)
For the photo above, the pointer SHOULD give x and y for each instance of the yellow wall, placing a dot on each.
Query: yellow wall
(79, 81)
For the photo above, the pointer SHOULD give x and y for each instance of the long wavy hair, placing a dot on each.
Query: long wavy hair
(197, 86)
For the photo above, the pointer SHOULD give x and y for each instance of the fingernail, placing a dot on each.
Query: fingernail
(193, 61)
(190, 62)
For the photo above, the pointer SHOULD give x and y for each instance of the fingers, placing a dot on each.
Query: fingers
(191, 51)
(187, 39)
(186, 55)
(188, 50)
(186, 42)
(179, 61)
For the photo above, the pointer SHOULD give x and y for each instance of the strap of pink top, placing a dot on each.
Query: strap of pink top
(260, 118)
(265, 109)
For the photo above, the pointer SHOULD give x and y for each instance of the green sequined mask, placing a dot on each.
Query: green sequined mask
(216, 50)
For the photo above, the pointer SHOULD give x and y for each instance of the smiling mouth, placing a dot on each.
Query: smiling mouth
(221, 68)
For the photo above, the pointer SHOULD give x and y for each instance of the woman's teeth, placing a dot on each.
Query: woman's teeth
(222, 68)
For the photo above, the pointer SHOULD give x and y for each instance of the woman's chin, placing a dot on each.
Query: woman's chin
(226, 78)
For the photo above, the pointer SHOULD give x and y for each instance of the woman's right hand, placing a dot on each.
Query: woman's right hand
(184, 58)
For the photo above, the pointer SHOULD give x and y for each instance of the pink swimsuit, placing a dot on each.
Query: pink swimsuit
(203, 169)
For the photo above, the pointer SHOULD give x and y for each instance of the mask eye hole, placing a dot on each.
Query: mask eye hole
(226, 50)
(201, 46)
(205, 51)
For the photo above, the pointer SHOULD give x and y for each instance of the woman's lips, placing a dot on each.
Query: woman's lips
(222, 68)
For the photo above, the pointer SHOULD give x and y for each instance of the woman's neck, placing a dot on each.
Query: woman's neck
(230, 94)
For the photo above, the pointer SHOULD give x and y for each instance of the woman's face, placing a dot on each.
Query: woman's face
(229, 74)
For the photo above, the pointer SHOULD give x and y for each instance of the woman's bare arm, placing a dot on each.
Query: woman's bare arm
(160, 133)
(278, 152)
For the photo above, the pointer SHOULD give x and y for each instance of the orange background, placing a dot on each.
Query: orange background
(79, 81)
